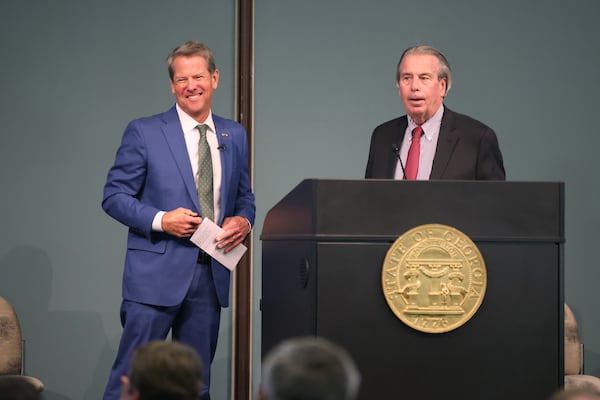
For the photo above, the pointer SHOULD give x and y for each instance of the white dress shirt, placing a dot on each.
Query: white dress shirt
(192, 137)
(431, 132)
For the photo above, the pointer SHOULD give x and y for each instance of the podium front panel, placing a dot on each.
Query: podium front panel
(323, 250)
(509, 349)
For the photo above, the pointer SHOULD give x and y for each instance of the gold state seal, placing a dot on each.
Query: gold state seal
(434, 278)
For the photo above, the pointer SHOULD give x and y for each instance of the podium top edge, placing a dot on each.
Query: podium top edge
(496, 182)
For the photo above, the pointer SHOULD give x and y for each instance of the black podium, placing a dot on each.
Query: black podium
(323, 247)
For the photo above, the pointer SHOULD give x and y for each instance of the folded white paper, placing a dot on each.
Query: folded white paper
(204, 237)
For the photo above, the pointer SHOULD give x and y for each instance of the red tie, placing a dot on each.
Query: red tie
(412, 162)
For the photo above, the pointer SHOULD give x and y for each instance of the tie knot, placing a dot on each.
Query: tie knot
(417, 132)
(202, 128)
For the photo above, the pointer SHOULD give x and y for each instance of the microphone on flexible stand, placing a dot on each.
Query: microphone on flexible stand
(396, 151)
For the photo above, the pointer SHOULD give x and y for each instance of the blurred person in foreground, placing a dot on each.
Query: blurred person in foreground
(309, 369)
(583, 393)
(163, 371)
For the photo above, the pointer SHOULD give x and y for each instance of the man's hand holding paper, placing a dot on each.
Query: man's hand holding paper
(223, 244)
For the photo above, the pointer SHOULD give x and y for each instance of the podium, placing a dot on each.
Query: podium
(323, 246)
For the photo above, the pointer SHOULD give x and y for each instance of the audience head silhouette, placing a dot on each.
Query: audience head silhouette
(163, 371)
(309, 369)
(577, 394)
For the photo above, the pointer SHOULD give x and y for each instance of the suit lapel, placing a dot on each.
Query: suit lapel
(447, 141)
(224, 137)
(397, 138)
(176, 142)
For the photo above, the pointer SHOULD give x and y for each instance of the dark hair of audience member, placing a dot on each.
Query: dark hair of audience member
(165, 371)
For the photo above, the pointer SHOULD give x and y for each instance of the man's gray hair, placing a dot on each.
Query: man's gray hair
(444, 71)
(309, 369)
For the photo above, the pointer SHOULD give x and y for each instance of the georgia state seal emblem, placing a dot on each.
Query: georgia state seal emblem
(434, 278)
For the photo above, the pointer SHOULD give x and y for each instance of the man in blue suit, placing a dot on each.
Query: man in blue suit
(157, 187)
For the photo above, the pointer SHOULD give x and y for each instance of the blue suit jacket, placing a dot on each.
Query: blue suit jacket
(152, 172)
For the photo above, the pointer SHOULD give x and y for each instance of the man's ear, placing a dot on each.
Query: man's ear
(127, 391)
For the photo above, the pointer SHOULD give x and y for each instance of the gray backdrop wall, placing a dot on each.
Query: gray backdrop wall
(75, 72)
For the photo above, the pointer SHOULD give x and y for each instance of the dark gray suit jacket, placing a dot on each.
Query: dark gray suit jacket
(466, 150)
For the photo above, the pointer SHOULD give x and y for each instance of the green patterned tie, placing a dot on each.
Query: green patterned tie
(205, 175)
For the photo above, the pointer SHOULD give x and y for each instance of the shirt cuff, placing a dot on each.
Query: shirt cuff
(157, 221)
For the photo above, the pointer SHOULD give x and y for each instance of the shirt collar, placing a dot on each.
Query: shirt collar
(188, 123)
(431, 125)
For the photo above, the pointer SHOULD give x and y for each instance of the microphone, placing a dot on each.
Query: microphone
(396, 151)
(222, 147)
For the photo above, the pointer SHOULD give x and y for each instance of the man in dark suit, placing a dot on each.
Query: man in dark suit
(172, 170)
(446, 145)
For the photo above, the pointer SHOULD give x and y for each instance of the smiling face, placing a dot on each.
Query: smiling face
(193, 85)
(421, 89)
